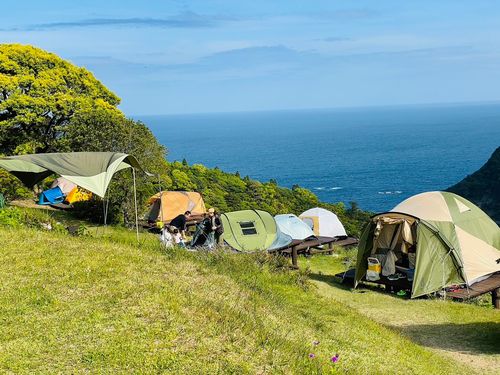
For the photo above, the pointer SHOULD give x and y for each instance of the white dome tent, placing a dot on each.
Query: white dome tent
(323, 222)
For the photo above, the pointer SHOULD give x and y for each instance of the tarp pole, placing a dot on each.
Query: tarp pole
(105, 205)
(135, 205)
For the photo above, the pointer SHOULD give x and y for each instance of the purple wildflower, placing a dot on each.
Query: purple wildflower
(312, 355)
(335, 358)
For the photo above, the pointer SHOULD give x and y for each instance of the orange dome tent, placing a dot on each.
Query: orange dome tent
(166, 205)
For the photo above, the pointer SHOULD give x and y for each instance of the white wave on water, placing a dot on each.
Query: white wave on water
(390, 192)
(327, 188)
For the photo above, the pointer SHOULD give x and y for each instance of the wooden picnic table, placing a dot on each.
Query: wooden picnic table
(315, 245)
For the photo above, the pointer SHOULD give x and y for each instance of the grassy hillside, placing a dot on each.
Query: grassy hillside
(483, 187)
(102, 304)
(468, 333)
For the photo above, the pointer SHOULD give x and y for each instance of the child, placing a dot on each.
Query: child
(177, 237)
(166, 237)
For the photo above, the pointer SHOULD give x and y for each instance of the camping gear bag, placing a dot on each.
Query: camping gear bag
(373, 271)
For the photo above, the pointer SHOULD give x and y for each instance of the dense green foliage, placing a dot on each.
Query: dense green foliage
(483, 187)
(74, 305)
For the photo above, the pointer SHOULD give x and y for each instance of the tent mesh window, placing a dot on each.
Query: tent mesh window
(248, 227)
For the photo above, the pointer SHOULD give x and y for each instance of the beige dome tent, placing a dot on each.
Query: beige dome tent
(454, 242)
(324, 223)
(166, 205)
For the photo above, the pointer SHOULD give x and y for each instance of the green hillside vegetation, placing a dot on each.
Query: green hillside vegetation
(483, 187)
(229, 192)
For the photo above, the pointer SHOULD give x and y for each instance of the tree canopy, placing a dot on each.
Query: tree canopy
(39, 95)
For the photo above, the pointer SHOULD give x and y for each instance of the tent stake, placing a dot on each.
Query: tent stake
(135, 205)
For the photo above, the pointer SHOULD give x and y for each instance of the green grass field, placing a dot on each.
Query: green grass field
(102, 304)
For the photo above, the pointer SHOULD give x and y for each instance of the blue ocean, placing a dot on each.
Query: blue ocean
(374, 156)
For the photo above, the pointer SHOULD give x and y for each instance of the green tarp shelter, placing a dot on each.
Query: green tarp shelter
(90, 170)
(452, 241)
(252, 230)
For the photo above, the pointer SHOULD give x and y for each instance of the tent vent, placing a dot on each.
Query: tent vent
(248, 227)
(461, 207)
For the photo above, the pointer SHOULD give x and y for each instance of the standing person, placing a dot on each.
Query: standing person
(219, 228)
(210, 227)
(180, 223)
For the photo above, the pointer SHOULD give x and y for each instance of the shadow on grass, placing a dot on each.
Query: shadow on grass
(472, 338)
(330, 280)
(337, 283)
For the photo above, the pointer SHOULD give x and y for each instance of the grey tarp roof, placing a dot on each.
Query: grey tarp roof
(90, 170)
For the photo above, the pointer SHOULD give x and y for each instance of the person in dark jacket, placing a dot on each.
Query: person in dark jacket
(219, 228)
(212, 225)
(180, 223)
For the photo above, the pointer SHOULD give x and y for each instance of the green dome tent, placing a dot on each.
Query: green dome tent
(453, 240)
(252, 230)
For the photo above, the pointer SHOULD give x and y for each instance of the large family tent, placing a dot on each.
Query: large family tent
(166, 205)
(451, 239)
(252, 230)
(323, 222)
(293, 226)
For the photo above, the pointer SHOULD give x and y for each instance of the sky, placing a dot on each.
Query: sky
(165, 57)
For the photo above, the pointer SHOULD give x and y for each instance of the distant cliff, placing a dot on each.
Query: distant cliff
(483, 187)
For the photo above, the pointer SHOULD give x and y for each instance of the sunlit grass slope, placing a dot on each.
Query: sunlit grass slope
(468, 333)
(89, 304)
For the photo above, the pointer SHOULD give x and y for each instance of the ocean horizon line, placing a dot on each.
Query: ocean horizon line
(315, 109)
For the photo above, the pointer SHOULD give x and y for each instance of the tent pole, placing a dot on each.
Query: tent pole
(135, 205)
(161, 207)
